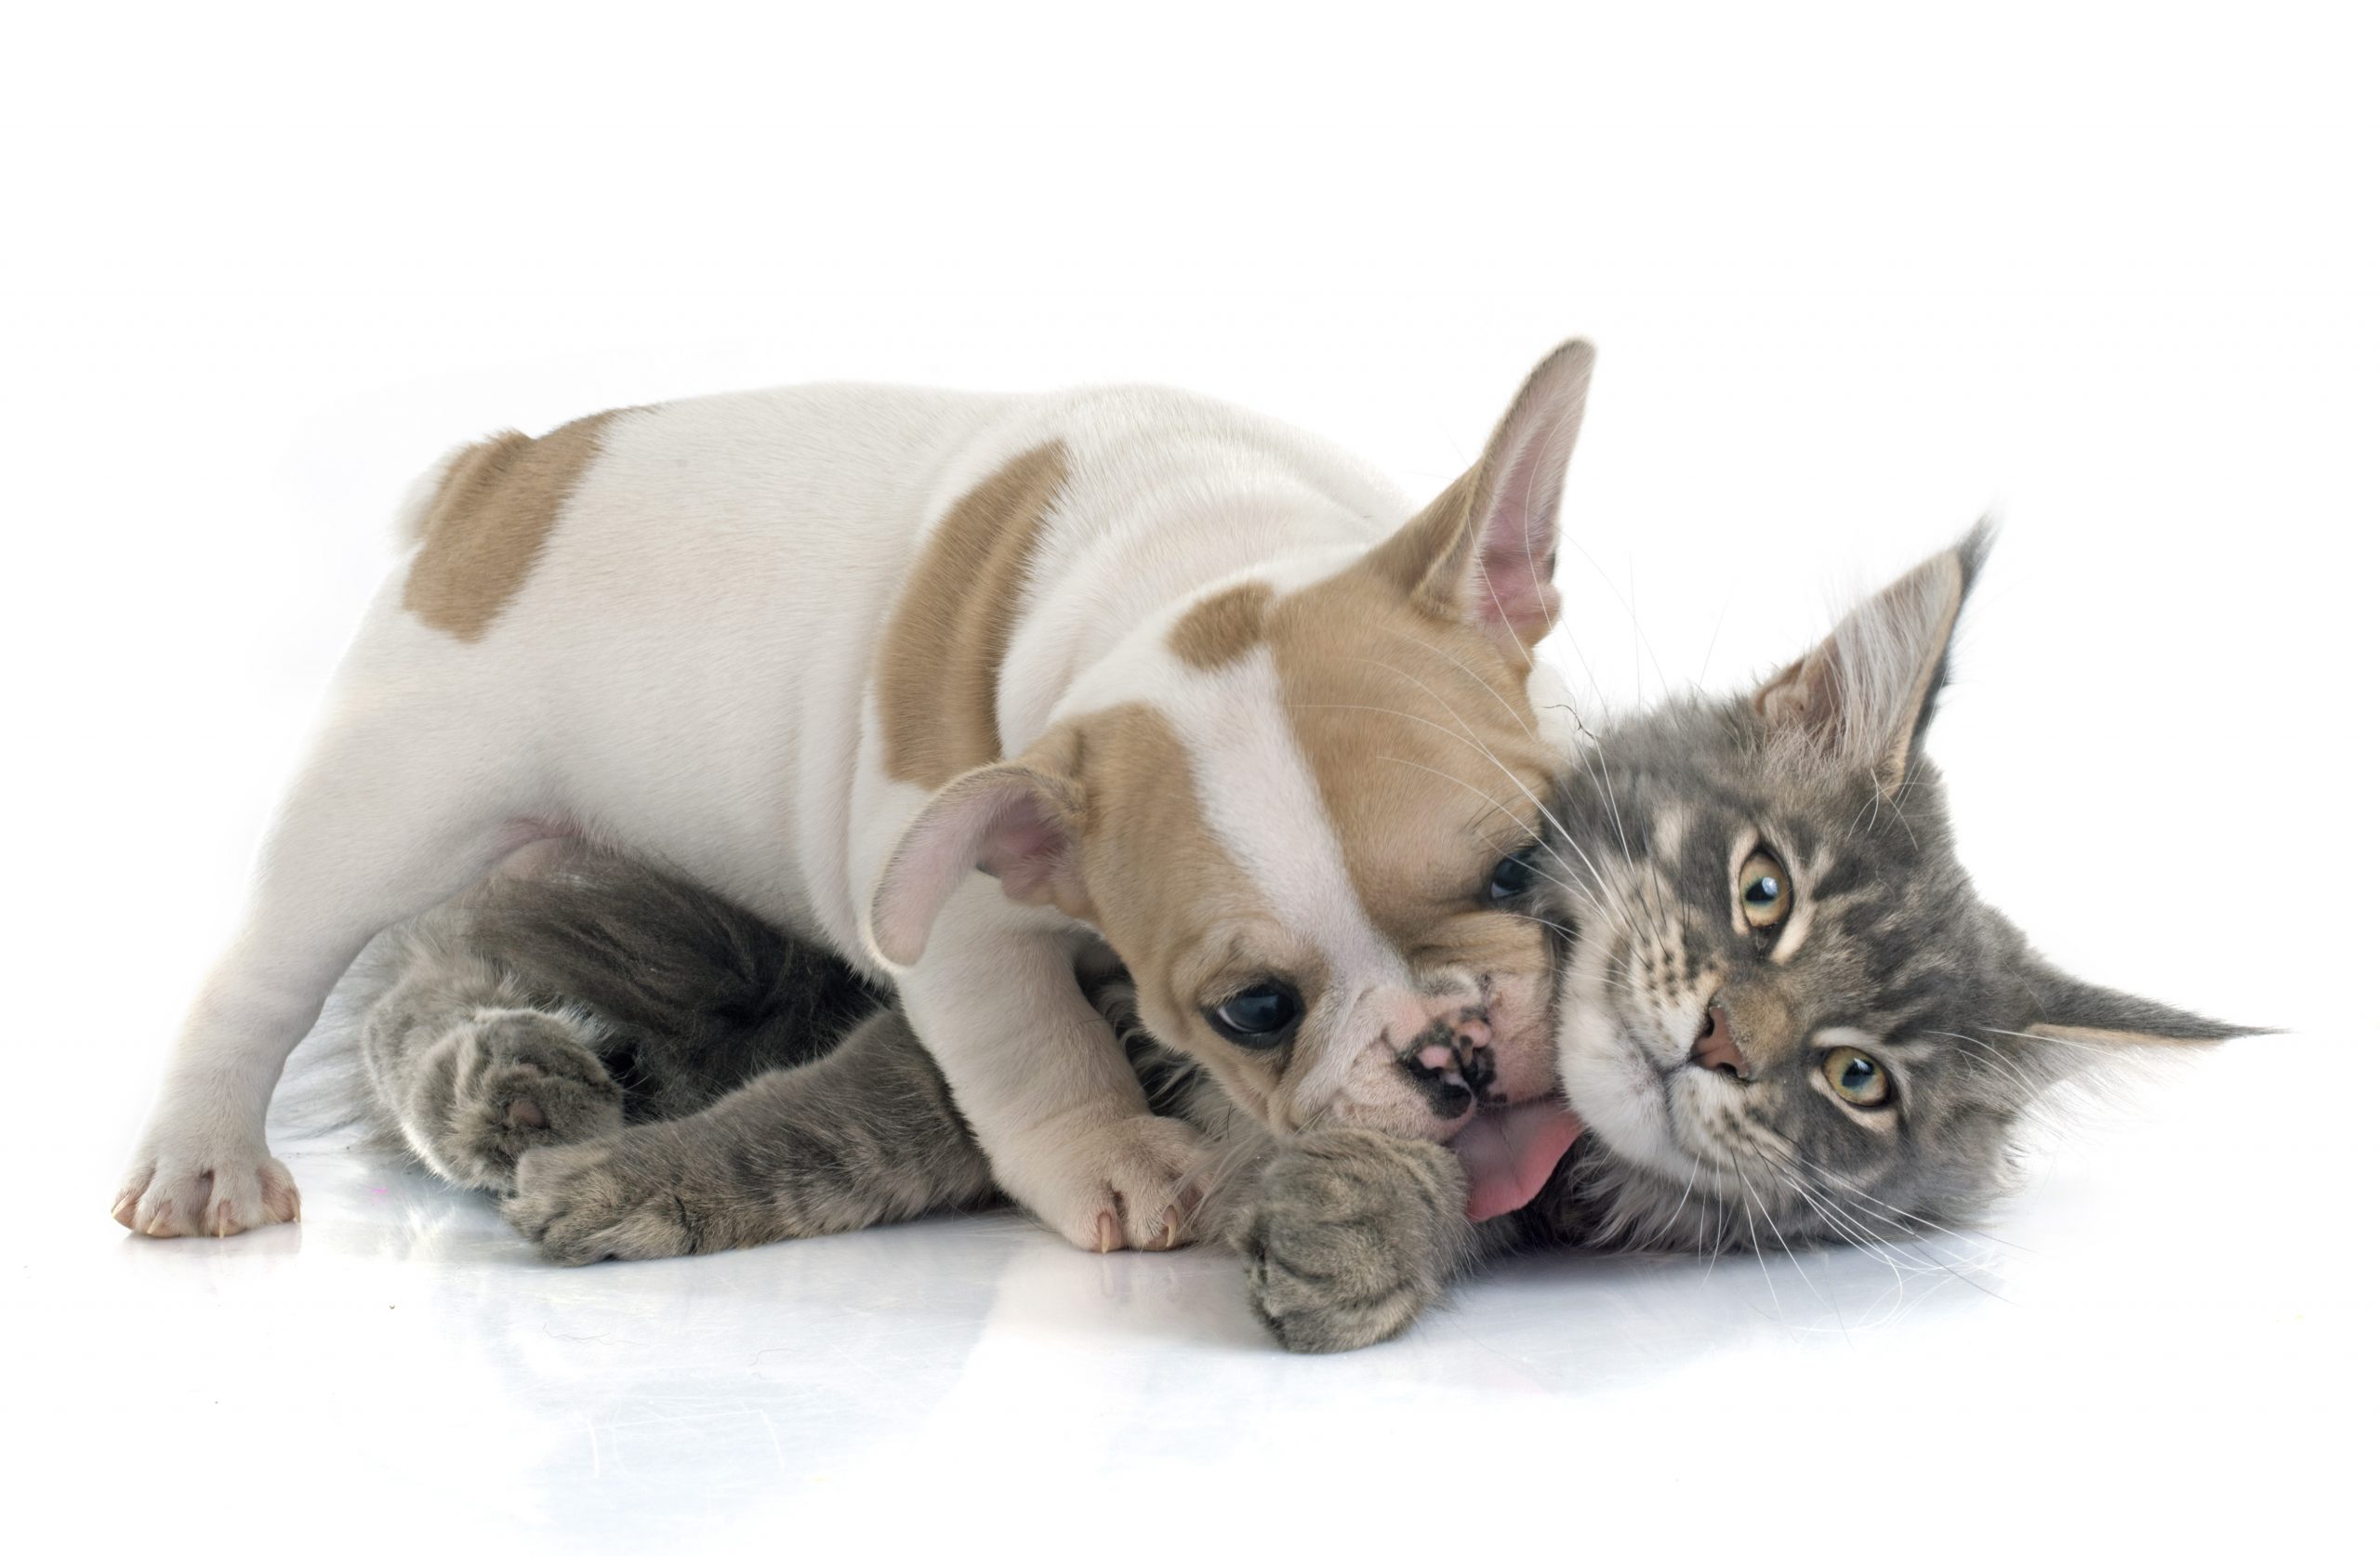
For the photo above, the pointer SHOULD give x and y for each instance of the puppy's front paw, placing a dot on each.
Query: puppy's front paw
(582, 1204)
(197, 1183)
(1352, 1236)
(1130, 1183)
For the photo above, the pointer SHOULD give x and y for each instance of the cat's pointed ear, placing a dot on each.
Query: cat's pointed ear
(1865, 695)
(1483, 552)
(2079, 1012)
(2073, 1022)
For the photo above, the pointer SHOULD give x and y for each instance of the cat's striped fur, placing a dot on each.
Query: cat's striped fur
(1695, 1045)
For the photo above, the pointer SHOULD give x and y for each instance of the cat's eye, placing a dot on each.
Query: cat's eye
(1260, 1018)
(1511, 877)
(1857, 1078)
(1764, 888)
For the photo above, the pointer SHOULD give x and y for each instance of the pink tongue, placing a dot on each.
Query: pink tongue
(1509, 1153)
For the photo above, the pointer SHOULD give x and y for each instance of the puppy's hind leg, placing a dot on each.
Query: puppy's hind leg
(396, 811)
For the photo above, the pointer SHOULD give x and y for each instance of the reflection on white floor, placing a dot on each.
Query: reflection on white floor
(399, 1371)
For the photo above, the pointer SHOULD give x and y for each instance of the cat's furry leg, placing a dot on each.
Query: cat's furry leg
(575, 990)
(866, 1134)
(571, 991)
(1351, 1235)
(470, 1078)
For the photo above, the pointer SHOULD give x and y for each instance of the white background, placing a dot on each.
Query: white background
(1857, 278)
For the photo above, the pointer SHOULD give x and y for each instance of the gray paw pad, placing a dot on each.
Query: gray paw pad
(521, 1080)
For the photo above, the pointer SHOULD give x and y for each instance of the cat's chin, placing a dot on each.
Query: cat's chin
(1616, 1091)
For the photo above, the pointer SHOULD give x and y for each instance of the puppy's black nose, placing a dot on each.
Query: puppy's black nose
(1454, 1066)
(1715, 1046)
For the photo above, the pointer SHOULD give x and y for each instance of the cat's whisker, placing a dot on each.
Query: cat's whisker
(2046, 1038)
(1601, 775)
(1864, 1238)
(1564, 859)
(1783, 1242)
(1718, 1235)
(1975, 1049)
(1565, 932)
(1725, 600)
(1692, 1178)
(1855, 1234)
(1577, 853)
(1519, 722)
(1469, 735)
(1636, 624)
(1776, 1302)
(1890, 1208)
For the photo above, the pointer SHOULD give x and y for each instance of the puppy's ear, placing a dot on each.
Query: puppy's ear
(1019, 822)
(1865, 695)
(1483, 552)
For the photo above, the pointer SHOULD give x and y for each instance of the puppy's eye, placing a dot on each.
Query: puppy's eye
(1512, 875)
(1260, 1018)
(1857, 1078)
(1764, 889)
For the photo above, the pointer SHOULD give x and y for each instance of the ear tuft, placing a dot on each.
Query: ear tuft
(2075, 1025)
(1865, 696)
(2068, 1008)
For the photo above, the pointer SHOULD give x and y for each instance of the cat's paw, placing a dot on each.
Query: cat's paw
(513, 1081)
(582, 1204)
(1130, 1183)
(1352, 1236)
(198, 1182)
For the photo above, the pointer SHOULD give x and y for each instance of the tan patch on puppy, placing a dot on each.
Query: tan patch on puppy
(1419, 736)
(485, 528)
(938, 673)
(1177, 907)
(1408, 800)
(1218, 630)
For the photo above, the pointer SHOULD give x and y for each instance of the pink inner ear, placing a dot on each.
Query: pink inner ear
(1023, 847)
(1002, 825)
(1516, 551)
(1517, 531)
(1519, 595)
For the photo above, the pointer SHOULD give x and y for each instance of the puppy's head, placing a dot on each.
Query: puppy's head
(1301, 820)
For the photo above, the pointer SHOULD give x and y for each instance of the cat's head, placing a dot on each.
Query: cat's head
(1785, 1015)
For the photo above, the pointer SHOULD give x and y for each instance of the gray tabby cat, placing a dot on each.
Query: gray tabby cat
(1786, 1018)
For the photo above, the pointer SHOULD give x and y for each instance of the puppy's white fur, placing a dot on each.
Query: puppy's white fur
(689, 672)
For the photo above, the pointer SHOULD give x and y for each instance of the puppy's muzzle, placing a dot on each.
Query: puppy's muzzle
(1454, 1064)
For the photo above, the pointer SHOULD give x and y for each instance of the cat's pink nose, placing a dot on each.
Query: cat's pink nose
(1714, 1047)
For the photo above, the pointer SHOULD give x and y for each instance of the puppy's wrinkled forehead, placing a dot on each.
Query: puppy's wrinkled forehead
(1422, 742)
(1357, 756)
